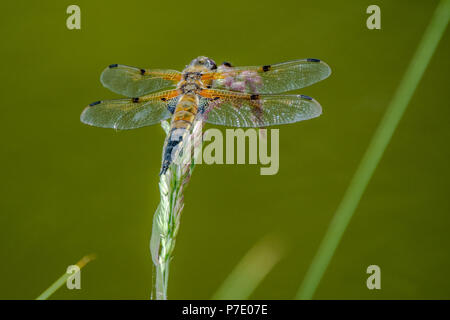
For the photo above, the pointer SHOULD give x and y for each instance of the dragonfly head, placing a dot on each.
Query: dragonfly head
(204, 62)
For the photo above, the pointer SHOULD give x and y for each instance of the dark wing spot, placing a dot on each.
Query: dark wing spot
(266, 68)
(254, 97)
(163, 99)
(226, 64)
(209, 86)
(312, 60)
(135, 100)
(306, 97)
(115, 65)
(94, 103)
(142, 71)
(216, 98)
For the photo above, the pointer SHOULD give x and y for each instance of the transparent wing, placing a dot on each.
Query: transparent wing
(244, 110)
(135, 82)
(275, 78)
(130, 113)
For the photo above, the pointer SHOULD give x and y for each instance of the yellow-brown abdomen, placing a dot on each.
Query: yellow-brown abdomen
(185, 111)
(182, 119)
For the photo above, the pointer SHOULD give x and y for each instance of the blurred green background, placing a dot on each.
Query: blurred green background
(69, 189)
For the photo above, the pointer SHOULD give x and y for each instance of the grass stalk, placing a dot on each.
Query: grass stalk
(251, 270)
(375, 150)
(166, 220)
(62, 280)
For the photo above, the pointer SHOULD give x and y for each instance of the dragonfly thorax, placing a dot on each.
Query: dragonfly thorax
(192, 76)
(187, 87)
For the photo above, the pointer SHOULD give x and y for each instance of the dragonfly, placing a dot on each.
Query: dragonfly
(220, 95)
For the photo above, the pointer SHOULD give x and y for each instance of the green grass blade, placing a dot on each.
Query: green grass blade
(52, 289)
(62, 280)
(251, 270)
(375, 150)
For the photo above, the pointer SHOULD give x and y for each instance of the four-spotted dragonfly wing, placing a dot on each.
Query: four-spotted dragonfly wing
(135, 82)
(237, 109)
(131, 113)
(268, 79)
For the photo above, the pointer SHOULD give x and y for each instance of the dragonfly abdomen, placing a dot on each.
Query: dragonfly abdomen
(182, 119)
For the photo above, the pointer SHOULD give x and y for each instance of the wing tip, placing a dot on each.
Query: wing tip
(315, 60)
(83, 116)
(317, 108)
(318, 112)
